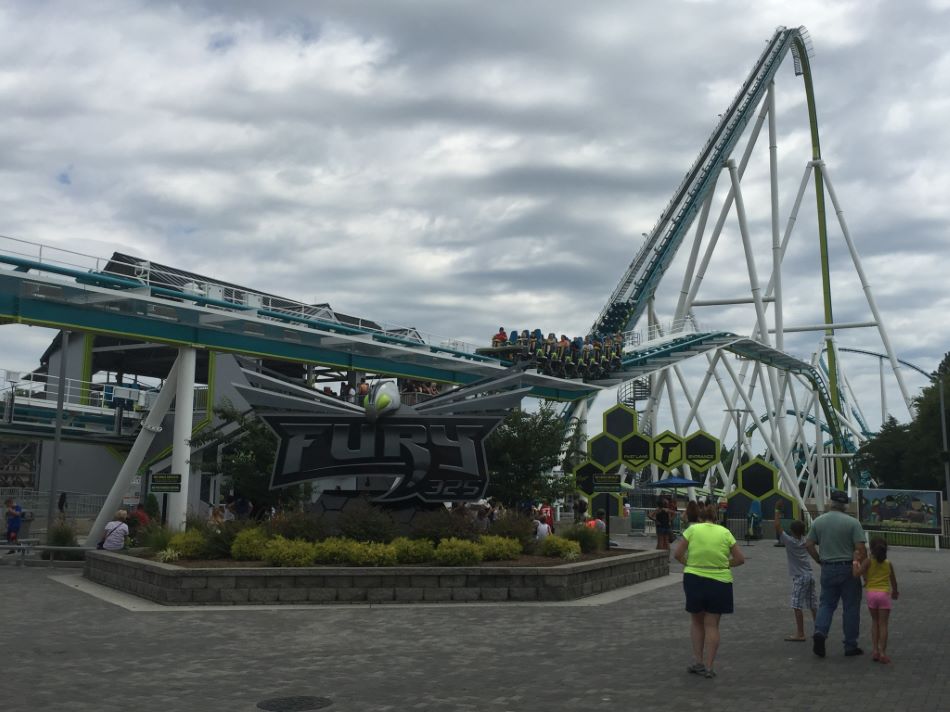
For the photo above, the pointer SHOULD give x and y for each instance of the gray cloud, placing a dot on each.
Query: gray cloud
(453, 168)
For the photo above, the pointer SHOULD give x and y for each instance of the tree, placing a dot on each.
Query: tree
(883, 455)
(911, 456)
(247, 457)
(521, 454)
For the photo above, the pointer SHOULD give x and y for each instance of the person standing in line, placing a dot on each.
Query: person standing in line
(840, 540)
(804, 589)
(708, 552)
(661, 518)
(881, 584)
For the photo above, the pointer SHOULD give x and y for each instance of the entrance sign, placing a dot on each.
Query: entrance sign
(622, 444)
(432, 459)
(702, 451)
(432, 452)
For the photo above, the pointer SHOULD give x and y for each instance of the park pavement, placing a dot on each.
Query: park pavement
(69, 645)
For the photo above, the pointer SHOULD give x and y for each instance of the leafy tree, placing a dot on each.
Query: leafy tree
(522, 452)
(247, 457)
(911, 456)
(883, 455)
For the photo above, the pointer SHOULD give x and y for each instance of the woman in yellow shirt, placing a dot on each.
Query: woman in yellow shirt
(708, 552)
(881, 585)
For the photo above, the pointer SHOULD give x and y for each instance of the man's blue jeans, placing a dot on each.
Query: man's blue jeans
(838, 583)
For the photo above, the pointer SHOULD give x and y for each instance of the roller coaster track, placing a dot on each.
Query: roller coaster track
(628, 300)
(652, 357)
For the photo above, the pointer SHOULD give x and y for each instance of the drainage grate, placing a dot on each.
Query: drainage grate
(294, 704)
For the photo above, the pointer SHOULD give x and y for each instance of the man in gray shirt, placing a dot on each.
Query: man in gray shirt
(840, 539)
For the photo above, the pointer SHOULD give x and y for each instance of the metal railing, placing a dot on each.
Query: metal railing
(39, 389)
(220, 294)
(78, 504)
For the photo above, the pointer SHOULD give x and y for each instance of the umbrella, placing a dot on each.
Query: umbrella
(673, 482)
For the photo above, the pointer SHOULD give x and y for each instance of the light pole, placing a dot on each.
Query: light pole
(943, 434)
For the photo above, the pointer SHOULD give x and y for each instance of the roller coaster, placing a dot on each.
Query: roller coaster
(780, 403)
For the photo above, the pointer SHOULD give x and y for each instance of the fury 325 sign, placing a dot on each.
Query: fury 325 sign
(433, 459)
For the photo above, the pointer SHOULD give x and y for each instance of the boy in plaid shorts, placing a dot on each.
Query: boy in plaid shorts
(804, 590)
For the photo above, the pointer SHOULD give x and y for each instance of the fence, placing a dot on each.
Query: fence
(78, 504)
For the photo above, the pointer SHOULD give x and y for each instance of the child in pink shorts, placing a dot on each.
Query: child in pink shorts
(881, 585)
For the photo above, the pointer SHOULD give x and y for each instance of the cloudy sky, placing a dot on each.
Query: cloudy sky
(456, 166)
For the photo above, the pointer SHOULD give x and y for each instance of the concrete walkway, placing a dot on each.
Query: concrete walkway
(74, 646)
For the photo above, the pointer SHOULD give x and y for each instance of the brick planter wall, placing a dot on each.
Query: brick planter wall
(175, 585)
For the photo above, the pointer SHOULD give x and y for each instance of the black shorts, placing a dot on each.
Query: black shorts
(706, 595)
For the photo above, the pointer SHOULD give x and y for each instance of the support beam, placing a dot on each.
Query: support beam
(181, 438)
(150, 428)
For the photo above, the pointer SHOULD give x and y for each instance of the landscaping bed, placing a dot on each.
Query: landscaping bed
(254, 584)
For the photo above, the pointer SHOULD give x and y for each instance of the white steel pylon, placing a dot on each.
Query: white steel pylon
(786, 401)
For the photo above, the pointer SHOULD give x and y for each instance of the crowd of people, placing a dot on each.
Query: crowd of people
(836, 541)
(591, 356)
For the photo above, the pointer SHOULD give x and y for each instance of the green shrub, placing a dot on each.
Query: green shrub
(191, 544)
(560, 547)
(413, 551)
(335, 551)
(362, 521)
(458, 552)
(288, 552)
(197, 523)
(372, 553)
(152, 509)
(62, 534)
(154, 537)
(499, 548)
(512, 525)
(249, 544)
(441, 524)
(167, 556)
(589, 538)
(298, 525)
(220, 539)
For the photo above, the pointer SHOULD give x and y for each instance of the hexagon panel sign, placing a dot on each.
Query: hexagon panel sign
(701, 451)
(584, 477)
(668, 451)
(603, 451)
(635, 451)
(757, 478)
(620, 421)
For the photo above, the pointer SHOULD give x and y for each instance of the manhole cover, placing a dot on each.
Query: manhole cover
(294, 704)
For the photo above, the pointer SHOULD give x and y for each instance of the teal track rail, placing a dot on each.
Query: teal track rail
(628, 301)
(690, 344)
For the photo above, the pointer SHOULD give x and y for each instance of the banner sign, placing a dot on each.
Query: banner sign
(900, 510)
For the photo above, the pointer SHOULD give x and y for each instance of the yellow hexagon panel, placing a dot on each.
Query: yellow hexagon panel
(668, 450)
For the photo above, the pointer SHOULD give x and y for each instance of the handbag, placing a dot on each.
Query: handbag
(102, 541)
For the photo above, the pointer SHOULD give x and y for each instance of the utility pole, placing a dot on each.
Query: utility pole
(945, 454)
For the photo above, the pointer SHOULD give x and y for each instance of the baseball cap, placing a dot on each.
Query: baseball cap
(839, 496)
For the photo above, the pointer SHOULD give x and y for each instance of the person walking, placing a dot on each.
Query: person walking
(840, 540)
(709, 552)
(881, 584)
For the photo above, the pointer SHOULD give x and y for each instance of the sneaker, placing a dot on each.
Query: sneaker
(818, 645)
(875, 657)
(852, 652)
(697, 669)
(885, 660)
(709, 674)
